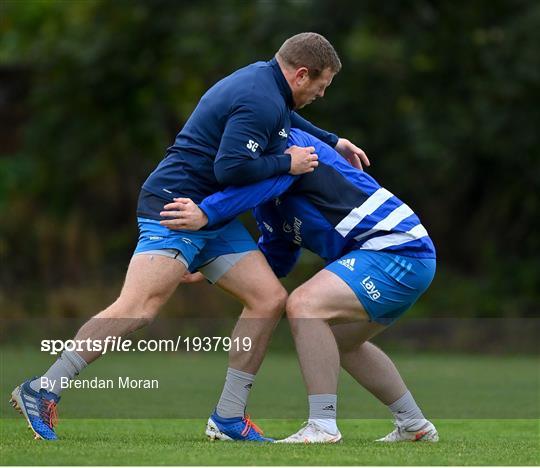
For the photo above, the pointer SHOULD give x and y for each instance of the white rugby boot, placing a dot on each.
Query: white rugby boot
(311, 433)
(427, 433)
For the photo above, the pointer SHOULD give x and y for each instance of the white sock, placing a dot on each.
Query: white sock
(233, 400)
(68, 365)
(323, 411)
(407, 413)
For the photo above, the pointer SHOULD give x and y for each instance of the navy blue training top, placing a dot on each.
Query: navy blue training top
(236, 135)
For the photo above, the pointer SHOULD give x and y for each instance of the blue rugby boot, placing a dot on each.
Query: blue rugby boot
(234, 429)
(39, 409)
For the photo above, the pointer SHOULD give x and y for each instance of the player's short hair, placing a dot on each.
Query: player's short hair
(310, 50)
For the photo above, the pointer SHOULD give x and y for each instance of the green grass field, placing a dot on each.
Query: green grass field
(180, 442)
(486, 409)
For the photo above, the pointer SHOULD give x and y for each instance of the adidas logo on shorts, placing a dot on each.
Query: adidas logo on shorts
(348, 263)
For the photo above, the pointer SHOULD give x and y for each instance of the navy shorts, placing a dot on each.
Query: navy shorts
(385, 283)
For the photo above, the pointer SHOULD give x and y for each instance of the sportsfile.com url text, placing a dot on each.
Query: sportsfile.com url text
(117, 343)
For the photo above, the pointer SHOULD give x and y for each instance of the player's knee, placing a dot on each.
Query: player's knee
(274, 303)
(149, 310)
(142, 310)
(280, 299)
(270, 303)
(299, 305)
(146, 317)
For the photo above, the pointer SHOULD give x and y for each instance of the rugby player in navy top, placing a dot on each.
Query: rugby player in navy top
(236, 135)
(379, 260)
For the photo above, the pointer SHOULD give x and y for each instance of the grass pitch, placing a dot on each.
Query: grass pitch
(486, 409)
(181, 442)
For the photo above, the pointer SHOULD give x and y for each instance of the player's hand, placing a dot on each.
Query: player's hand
(352, 153)
(192, 277)
(185, 215)
(303, 160)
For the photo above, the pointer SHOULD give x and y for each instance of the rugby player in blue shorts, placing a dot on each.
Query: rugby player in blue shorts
(379, 260)
(236, 135)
